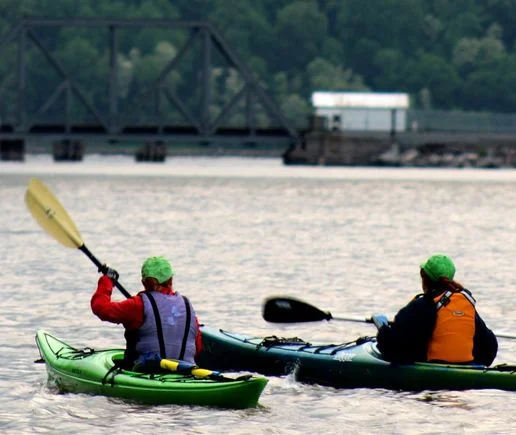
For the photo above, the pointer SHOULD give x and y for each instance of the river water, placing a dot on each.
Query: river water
(239, 230)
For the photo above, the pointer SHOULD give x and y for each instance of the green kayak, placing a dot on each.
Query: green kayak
(95, 372)
(357, 364)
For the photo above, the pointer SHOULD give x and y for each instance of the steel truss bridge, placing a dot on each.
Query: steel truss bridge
(116, 123)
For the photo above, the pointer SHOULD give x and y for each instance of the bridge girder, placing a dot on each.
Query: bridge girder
(115, 123)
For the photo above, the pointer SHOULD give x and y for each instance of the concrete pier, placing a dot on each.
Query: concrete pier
(12, 149)
(337, 148)
(322, 147)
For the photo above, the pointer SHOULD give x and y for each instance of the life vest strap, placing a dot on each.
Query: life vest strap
(469, 296)
(159, 328)
(445, 298)
(187, 328)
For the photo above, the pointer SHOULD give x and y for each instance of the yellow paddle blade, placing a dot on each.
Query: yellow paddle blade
(51, 215)
(174, 365)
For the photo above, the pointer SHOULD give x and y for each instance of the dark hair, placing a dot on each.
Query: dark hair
(442, 284)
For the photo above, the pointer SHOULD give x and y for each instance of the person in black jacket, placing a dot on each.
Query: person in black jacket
(439, 325)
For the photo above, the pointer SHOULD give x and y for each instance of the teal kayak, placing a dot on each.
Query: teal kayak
(357, 364)
(95, 372)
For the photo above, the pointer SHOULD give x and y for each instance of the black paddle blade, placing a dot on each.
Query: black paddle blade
(289, 310)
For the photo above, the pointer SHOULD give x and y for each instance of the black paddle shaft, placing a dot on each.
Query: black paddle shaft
(97, 263)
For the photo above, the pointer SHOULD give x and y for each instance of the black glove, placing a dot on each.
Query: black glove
(109, 272)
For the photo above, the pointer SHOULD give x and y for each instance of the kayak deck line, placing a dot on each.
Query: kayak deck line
(71, 353)
(272, 341)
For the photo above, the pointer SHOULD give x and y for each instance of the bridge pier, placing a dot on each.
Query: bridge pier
(12, 149)
(68, 150)
(152, 151)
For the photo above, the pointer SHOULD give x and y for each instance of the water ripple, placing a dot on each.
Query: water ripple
(237, 231)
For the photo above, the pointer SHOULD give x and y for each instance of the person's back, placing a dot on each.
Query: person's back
(159, 322)
(170, 332)
(441, 325)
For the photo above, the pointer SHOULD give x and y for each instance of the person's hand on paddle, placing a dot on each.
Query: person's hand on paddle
(380, 320)
(112, 274)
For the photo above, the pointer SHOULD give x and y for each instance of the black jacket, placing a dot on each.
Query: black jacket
(406, 339)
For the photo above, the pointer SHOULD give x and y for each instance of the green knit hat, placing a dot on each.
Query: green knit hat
(157, 267)
(439, 266)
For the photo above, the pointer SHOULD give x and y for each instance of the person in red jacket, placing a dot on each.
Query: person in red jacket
(159, 322)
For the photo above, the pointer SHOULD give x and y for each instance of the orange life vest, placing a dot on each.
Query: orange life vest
(452, 339)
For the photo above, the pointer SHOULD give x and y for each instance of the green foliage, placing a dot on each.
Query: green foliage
(296, 109)
(435, 74)
(243, 23)
(447, 54)
(301, 29)
(324, 75)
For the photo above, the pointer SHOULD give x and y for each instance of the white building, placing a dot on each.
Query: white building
(362, 111)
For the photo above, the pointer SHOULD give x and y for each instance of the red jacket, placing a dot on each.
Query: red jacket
(128, 312)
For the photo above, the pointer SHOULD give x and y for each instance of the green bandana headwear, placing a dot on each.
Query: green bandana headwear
(157, 267)
(439, 266)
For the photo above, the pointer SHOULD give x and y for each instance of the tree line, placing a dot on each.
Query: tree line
(450, 55)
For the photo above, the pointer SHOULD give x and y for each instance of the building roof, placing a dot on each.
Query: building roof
(373, 100)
